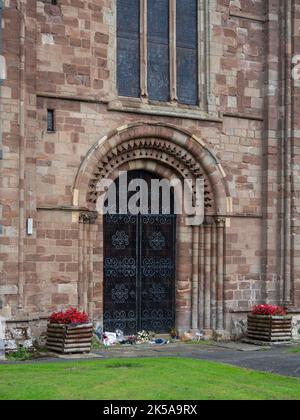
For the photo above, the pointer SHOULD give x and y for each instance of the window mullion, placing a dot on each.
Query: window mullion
(202, 52)
(144, 49)
(173, 52)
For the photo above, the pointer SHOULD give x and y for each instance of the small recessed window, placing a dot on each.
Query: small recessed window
(50, 121)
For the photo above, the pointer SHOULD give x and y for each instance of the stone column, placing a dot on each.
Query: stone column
(295, 167)
(85, 267)
(273, 156)
(220, 273)
(195, 280)
(207, 277)
(214, 275)
(287, 153)
(86, 259)
(90, 271)
(201, 276)
(80, 265)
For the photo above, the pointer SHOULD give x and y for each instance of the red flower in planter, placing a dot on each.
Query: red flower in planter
(268, 310)
(71, 316)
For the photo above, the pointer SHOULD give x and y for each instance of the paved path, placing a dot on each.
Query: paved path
(275, 360)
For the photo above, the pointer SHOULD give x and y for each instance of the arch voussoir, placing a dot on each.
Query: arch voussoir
(168, 144)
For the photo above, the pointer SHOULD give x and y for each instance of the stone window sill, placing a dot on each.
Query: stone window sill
(139, 106)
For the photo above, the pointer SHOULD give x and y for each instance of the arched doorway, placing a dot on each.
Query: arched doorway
(139, 268)
(169, 152)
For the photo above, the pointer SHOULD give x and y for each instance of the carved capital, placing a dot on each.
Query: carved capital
(88, 217)
(221, 222)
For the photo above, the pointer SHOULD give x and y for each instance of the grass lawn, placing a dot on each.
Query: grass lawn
(294, 350)
(161, 379)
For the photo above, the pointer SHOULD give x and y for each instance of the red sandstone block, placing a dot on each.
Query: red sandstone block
(63, 258)
(29, 267)
(86, 43)
(45, 258)
(72, 268)
(228, 295)
(60, 299)
(72, 234)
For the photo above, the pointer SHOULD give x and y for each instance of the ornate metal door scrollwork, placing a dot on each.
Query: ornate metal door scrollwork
(157, 241)
(158, 272)
(139, 272)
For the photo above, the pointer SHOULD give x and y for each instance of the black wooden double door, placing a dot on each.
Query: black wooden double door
(139, 273)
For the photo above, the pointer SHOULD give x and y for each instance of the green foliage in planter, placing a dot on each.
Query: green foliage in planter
(21, 355)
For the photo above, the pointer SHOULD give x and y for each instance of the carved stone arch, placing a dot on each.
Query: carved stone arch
(155, 141)
(182, 163)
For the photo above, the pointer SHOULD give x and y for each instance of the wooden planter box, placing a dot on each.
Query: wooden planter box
(66, 339)
(270, 329)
